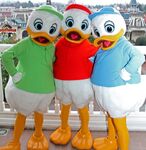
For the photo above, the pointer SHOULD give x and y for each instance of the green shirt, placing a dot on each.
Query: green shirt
(34, 62)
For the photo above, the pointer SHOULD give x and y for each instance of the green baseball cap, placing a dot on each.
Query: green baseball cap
(50, 9)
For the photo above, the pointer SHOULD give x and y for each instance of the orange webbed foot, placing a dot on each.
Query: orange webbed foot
(82, 141)
(61, 136)
(11, 146)
(105, 144)
(38, 143)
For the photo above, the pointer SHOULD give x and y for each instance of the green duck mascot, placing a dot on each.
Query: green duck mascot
(31, 85)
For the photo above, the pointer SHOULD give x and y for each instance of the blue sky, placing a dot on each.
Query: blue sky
(93, 2)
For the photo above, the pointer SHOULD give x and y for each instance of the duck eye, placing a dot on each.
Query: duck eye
(109, 26)
(84, 25)
(53, 28)
(96, 32)
(38, 24)
(69, 21)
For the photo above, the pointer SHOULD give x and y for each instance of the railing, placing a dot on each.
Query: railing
(136, 121)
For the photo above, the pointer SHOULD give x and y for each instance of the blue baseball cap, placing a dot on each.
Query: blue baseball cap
(104, 10)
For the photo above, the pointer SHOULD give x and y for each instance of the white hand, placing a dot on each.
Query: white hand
(125, 75)
(17, 77)
(92, 59)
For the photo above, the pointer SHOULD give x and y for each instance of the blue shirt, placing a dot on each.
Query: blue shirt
(109, 63)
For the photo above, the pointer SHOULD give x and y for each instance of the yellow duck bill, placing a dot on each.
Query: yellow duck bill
(107, 42)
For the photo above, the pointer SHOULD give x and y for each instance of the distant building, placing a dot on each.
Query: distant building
(71, 1)
(134, 18)
(134, 7)
(126, 16)
(18, 17)
(137, 28)
(6, 12)
(22, 14)
(13, 22)
(8, 30)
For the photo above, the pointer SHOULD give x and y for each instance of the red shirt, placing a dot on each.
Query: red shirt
(72, 60)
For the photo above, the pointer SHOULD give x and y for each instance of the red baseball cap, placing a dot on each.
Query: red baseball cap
(78, 6)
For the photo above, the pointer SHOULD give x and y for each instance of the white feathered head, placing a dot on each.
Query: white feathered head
(76, 25)
(44, 25)
(108, 26)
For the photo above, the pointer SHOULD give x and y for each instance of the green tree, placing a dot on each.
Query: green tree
(30, 4)
(5, 76)
(144, 8)
(141, 41)
(141, 7)
(24, 5)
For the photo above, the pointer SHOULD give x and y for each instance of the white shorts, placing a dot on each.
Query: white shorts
(120, 101)
(26, 102)
(79, 92)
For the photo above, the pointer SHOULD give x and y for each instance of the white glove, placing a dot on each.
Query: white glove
(17, 77)
(125, 75)
(92, 59)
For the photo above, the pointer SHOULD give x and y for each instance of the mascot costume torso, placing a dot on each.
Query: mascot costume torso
(72, 71)
(31, 86)
(116, 79)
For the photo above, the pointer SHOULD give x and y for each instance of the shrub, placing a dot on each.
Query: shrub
(141, 41)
